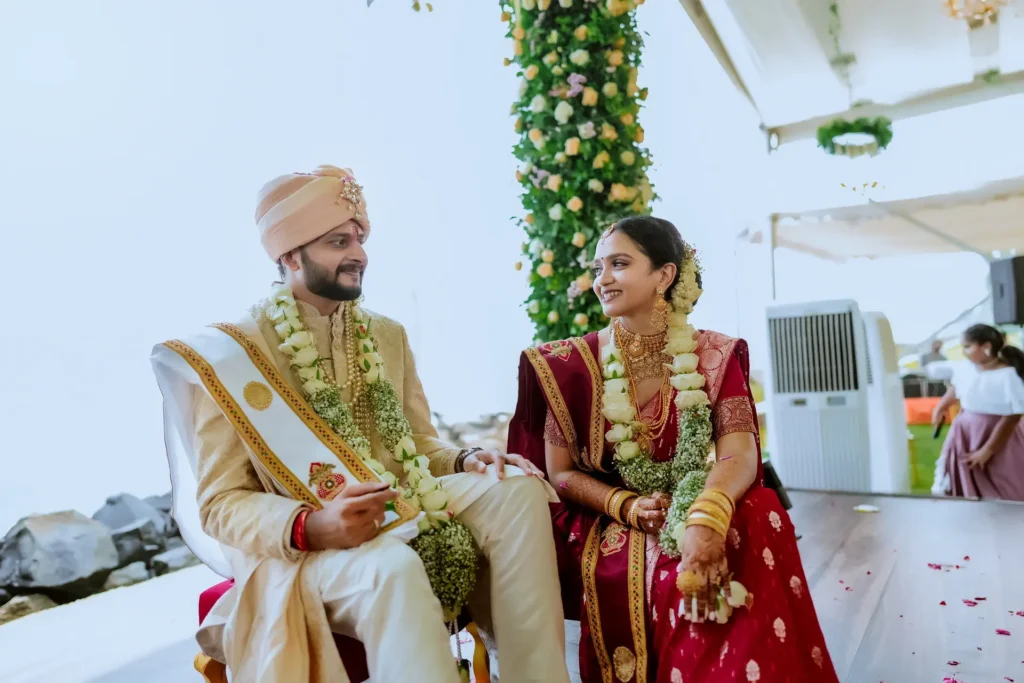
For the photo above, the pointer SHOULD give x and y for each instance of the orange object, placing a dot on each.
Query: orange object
(919, 410)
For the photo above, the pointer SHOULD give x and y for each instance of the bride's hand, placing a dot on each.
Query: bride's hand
(702, 570)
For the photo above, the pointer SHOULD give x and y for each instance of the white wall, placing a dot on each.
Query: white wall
(134, 135)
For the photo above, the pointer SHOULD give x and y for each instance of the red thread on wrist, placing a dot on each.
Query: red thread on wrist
(299, 539)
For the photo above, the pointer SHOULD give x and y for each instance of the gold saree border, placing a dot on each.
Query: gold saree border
(328, 437)
(635, 581)
(596, 398)
(243, 427)
(555, 401)
(590, 557)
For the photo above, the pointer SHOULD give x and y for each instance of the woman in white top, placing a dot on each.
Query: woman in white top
(983, 456)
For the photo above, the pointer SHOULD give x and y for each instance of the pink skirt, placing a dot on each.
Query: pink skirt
(1002, 477)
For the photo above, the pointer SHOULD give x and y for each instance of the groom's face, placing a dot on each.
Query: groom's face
(332, 267)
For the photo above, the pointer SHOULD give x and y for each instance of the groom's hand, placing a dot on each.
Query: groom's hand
(478, 462)
(351, 519)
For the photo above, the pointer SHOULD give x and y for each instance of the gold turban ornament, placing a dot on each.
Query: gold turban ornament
(295, 209)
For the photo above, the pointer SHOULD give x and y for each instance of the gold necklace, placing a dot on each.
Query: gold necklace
(646, 353)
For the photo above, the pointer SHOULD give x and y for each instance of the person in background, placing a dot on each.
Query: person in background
(934, 355)
(983, 456)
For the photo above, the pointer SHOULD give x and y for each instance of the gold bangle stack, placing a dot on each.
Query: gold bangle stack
(614, 501)
(633, 517)
(712, 509)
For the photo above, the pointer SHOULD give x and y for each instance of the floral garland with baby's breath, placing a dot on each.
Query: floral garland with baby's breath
(444, 544)
(684, 476)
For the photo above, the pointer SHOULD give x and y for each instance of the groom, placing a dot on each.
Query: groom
(310, 561)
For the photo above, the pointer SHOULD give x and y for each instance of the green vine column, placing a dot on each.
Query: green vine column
(583, 166)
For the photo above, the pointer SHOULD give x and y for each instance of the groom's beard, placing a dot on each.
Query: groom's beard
(321, 282)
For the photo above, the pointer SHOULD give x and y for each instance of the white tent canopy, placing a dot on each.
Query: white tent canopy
(909, 57)
(983, 220)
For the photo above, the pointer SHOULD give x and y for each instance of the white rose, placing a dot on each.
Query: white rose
(291, 311)
(365, 346)
(425, 524)
(619, 413)
(687, 381)
(281, 293)
(305, 357)
(405, 449)
(390, 478)
(619, 432)
(538, 104)
(609, 353)
(439, 516)
(685, 362)
(375, 465)
(307, 374)
(284, 329)
(426, 484)
(372, 375)
(737, 594)
(410, 497)
(361, 316)
(536, 247)
(555, 212)
(563, 112)
(369, 360)
(299, 340)
(558, 70)
(422, 461)
(579, 57)
(613, 370)
(313, 386)
(414, 477)
(587, 130)
(627, 450)
(595, 185)
(524, 85)
(615, 386)
(678, 344)
(436, 500)
(690, 399)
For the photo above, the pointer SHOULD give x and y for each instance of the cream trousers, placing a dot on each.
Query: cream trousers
(380, 593)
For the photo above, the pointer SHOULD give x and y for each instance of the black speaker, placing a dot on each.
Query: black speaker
(1008, 291)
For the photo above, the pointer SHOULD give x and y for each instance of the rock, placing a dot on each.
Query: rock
(64, 555)
(5, 597)
(23, 605)
(173, 560)
(138, 542)
(125, 509)
(134, 573)
(175, 542)
(165, 504)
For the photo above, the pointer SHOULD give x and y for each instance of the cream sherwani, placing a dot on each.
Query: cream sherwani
(275, 624)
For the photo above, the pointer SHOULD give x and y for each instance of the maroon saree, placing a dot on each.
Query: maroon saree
(616, 580)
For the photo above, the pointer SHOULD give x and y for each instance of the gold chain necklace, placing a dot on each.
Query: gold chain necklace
(646, 353)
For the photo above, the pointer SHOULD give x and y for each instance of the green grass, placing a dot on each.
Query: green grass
(926, 453)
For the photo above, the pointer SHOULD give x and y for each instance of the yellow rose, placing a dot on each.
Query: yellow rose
(553, 317)
(529, 218)
(551, 58)
(575, 204)
(610, 89)
(545, 270)
(589, 97)
(506, 17)
(579, 240)
(531, 72)
(617, 8)
(543, 4)
(631, 88)
(519, 176)
(536, 134)
(581, 320)
(628, 158)
(518, 33)
(585, 281)
(517, 48)
(547, 256)
(638, 136)
(518, 265)
(572, 146)
(608, 132)
(581, 32)
(621, 193)
(615, 58)
(601, 159)
(619, 42)
(627, 119)
(554, 182)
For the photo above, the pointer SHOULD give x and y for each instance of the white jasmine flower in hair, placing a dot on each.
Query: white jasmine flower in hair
(538, 104)
(685, 362)
(563, 112)
(691, 399)
(579, 57)
(687, 381)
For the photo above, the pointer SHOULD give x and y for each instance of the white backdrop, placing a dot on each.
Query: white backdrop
(133, 137)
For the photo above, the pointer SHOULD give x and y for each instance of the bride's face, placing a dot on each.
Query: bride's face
(624, 280)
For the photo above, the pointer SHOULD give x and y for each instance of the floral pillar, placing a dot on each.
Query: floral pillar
(582, 163)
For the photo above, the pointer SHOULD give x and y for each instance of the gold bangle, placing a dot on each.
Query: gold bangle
(721, 497)
(618, 505)
(712, 510)
(615, 503)
(698, 519)
(608, 499)
(634, 515)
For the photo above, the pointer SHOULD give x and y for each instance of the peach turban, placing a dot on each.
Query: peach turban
(295, 209)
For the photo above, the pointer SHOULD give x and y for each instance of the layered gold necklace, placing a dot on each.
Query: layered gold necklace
(644, 352)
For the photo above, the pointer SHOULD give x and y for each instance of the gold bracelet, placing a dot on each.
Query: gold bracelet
(712, 510)
(617, 510)
(612, 492)
(634, 515)
(615, 504)
(721, 497)
(699, 519)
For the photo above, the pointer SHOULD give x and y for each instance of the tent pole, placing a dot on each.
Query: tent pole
(964, 246)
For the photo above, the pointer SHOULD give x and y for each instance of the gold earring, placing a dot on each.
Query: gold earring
(659, 316)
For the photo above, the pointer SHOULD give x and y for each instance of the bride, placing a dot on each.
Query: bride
(677, 560)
